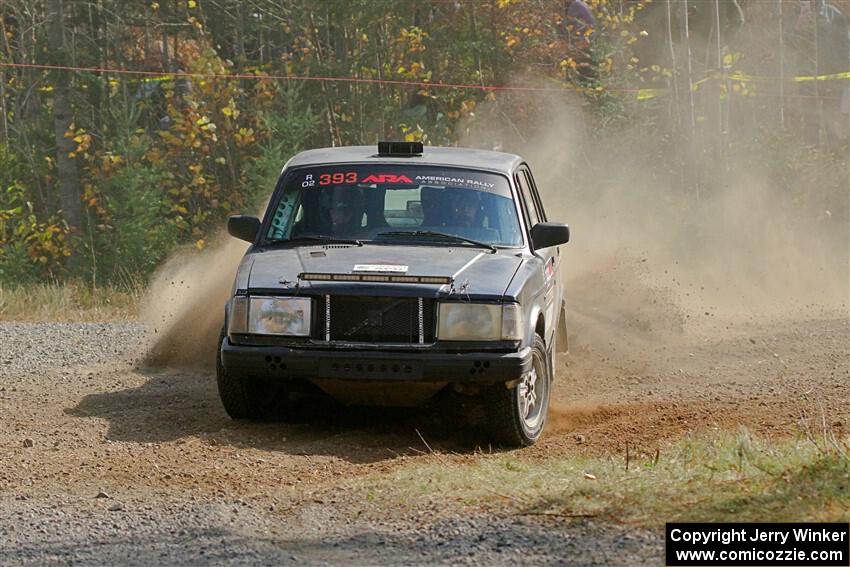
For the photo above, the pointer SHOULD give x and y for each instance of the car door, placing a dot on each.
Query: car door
(554, 257)
(533, 212)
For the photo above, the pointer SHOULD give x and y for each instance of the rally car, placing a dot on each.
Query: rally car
(412, 268)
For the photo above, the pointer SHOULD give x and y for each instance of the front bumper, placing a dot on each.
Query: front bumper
(288, 363)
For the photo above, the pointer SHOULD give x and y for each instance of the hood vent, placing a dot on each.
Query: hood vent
(371, 278)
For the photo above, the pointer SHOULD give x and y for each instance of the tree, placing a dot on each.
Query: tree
(63, 120)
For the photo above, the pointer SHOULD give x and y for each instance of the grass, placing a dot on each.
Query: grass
(68, 302)
(709, 478)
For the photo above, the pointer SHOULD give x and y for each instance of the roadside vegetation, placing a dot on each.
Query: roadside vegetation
(104, 172)
(68, 302)
(706, 477)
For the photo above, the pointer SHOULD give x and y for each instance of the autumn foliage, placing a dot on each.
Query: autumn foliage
(232, 90)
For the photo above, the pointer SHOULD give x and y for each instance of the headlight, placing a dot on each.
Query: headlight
(512, 322)
(285, 316)
(479, 322)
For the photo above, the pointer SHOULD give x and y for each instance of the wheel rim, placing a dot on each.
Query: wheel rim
(532, 396)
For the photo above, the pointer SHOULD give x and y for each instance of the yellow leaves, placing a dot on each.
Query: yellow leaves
(200, 244)
(227, 111)
(244, 137)
(82, 139)
(45, 242)
(730, 59)
(511, 41)
(569, 62)
(410, 137)
(191, 4)
(154, 6)
(170, 138)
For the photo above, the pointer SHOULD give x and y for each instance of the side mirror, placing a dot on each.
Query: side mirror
(546, 234)
(243, 227)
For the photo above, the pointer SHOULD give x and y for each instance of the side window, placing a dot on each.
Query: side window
(529, 203)
(537, 200)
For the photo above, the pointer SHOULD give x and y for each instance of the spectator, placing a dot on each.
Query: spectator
(579, 26)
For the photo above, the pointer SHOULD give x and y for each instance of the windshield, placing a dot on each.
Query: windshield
(395, 202)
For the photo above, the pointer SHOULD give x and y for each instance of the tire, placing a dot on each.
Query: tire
(233, 390)
(512, 421)
(254, 397)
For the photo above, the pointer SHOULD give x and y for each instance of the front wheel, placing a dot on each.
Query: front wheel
(232, 389)
(254, 397)
(517, 416)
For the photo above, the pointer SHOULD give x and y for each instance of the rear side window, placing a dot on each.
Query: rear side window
(531, 214)
(541, 211)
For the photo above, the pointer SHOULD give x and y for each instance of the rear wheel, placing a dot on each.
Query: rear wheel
(517, 416)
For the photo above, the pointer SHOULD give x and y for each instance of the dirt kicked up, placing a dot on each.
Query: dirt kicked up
(107, 459)
(115, 448)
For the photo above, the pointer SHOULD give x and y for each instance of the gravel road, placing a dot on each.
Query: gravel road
(104, 462)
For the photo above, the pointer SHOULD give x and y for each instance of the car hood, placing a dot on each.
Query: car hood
(475, 272)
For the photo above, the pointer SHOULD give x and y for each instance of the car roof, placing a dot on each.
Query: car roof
(431, 155)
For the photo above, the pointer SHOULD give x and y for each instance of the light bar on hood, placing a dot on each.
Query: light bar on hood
(380, 278)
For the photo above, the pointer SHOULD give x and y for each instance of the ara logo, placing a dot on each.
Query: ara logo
(387, 178)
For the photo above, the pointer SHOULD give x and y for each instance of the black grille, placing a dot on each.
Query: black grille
(378, 319)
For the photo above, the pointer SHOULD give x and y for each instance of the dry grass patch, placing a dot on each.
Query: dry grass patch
(68, 302)
(712, 478)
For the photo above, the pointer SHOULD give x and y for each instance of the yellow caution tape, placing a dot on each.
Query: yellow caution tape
(831, 77)
(646, 94)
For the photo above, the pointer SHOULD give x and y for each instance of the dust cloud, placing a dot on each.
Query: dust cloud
(184, 305)
(655, 247)
(661, 241)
